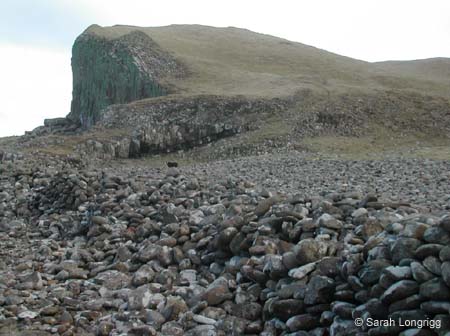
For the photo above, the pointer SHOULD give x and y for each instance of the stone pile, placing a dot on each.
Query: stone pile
(401, 273)
(169, 254)
(67, 190)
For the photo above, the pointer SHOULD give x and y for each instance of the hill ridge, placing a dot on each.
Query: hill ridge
(143, 74)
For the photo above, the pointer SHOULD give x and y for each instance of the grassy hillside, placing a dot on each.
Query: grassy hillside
(432, 69)
(237, 61)
(336, 105)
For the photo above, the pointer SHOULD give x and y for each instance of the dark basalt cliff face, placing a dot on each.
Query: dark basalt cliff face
(113, 71)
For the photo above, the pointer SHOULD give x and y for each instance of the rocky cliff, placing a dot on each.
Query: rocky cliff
(113, 71)
(164, 89)
(166, 125)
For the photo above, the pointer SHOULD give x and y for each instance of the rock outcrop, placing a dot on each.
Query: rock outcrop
(53, 126)
(110, 71)
(166, 125)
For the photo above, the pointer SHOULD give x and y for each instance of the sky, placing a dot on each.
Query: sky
(36, 37)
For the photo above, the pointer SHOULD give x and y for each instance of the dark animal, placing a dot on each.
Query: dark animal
(171, 164)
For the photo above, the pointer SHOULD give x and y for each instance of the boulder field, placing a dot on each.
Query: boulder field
(128, 251)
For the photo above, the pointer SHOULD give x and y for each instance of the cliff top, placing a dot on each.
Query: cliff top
(228, 61)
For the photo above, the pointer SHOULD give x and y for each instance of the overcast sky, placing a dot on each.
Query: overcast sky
(36, 37)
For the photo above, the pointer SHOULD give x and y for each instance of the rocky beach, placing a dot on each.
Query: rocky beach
(279, 245)
(217, 181)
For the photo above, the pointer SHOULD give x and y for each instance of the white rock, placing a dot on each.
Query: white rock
(359, 212)
(204, 320)
(302, 271)
(189, 275)
(28, 314)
